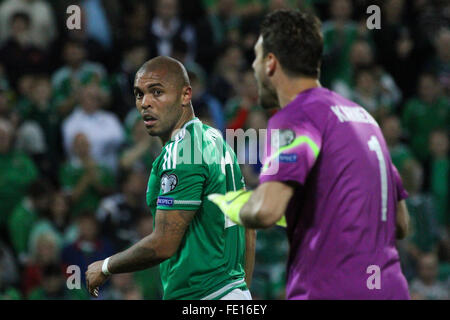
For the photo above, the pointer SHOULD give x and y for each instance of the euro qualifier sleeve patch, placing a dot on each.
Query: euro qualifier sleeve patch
(168, 182)
(165, 201)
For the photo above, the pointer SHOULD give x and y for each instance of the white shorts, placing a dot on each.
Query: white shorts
(237, 294)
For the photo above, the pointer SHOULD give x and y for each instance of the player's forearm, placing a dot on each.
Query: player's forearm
(144, 254)
(253, 216)
(250, 242)
(266, 206)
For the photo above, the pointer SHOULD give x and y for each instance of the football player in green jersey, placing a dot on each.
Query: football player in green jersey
(202, 254)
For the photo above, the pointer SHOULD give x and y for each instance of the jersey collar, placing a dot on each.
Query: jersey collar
(190, 122)
(180, 133)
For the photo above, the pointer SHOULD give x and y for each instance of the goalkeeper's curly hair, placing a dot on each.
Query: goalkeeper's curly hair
(294, 37)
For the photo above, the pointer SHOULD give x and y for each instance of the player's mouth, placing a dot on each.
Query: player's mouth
(149, 120)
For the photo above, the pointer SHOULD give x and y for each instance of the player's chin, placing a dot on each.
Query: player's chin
(151, 130)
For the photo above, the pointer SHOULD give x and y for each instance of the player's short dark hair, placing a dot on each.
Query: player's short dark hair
(294, 37)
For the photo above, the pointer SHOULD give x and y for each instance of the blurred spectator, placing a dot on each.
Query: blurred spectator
(225, 82)
(142, 150)
(362, 58)
(429, 110)
(205, 104)
(8, 275)
(250, 154)
(148, 280)
(438, 174)
(428, 17)
(57, 223)
(269, 275)
(7, 110)
(135, 22)
(42, 23)
(119, 213)
(369, 93)
(167, 27)
(77, 71)
(339, 33)
(397, 50)
(440, 63)
(133, 57)
(44, 251)
(102, 128)
(25, 214)
(180, 52)
(85, 180)
(424, 232)
(392, 131)
(213, 29)
(54, 286)
(90, 246)
(97, 22)
(237, 109)
(427, 286)
(18, 53)
(223, 20)
(17, 171)
(123, 288)
(40, 133)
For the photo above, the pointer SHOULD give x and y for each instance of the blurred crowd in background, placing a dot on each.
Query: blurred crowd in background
(75, 157)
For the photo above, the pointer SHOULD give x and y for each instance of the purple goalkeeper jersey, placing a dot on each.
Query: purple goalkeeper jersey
(341, 221)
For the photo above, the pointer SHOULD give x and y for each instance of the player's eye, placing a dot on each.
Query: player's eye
(157, 92)
(138, 95)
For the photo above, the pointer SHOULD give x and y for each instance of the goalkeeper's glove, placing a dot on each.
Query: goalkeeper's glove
(232, 202)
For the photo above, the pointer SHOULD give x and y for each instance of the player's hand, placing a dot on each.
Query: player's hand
(95, 277)
(232, 202)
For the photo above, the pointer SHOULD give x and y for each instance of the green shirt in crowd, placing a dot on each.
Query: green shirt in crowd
(20, 224)
(440, 172)
(70, 175)
(424, 233)
(420, 119)
(400, 154)
(17, 171)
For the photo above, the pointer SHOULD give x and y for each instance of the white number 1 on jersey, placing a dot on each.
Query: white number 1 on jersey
(228, 160)
(374, 145)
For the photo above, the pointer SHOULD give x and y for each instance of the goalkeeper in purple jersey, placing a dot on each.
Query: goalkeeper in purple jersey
(327, 172)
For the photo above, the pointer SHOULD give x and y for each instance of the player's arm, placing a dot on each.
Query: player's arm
(161, 244)
(266, 205)
(402, 220)
(250, 243)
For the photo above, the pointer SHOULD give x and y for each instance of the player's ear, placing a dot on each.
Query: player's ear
(186, 95)
(270, 64)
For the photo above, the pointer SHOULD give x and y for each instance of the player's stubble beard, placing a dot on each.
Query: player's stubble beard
(267, 95)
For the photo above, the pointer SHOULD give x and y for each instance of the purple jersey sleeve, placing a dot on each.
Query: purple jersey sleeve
(401, 192)
(293, 145)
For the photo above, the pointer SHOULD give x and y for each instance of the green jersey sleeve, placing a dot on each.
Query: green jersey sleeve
(181, 185)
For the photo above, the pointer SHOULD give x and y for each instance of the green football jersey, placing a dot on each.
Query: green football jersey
(210, 260)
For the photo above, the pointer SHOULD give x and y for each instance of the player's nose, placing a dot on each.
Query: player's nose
(146, 101)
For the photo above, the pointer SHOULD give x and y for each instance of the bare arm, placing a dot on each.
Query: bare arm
(266, 205)
(250, 241)
(161, 244)
(402, 220)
